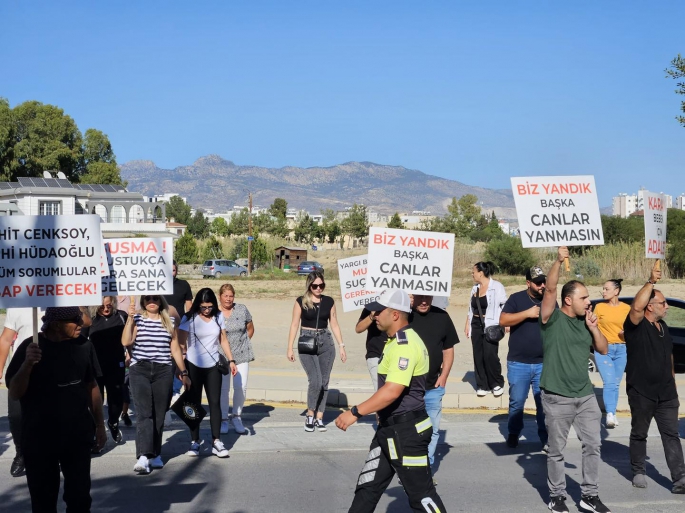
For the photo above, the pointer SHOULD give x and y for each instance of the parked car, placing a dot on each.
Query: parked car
(308, 266)
(675, 319)
(219, 268)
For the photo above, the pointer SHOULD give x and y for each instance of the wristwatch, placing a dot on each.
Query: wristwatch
(355, 412)
(651, 282)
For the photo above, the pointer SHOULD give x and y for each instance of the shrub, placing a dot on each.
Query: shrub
(185, 251)
(213, 249)
(586, 268)
(509, 255)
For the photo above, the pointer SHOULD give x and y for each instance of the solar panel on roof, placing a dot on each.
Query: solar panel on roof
(25, 181)
(5, 185)
(51, 182)
(65, 184)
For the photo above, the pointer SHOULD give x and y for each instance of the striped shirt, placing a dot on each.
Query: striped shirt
(153, 341)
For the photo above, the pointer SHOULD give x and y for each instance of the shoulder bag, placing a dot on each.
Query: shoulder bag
(222, 364)
(492, 334)
(309, 343)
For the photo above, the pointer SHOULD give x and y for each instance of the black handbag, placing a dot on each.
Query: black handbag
(309, 344)
(222, 364)
(492, 334)
(188, 410)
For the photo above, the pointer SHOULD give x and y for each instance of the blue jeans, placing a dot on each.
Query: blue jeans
(521, 377)
(433, 399)
(611, 367)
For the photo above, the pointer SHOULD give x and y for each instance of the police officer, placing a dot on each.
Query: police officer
(401, 441)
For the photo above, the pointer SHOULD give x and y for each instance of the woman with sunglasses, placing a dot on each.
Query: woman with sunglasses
(200, 332)
(239, 329)
(610, 318)
(152, 338)
(313, 312)
(105, 335)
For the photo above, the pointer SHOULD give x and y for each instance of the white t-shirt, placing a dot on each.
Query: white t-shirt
(204, 353)
(21, 321)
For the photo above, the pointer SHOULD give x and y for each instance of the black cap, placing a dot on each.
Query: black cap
(536, 275)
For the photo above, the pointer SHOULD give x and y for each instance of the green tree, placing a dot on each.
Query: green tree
(262, 222)
(99, 161)
(239, 223)
(618, 229)
(212, 249)
(178, 210)
(675, 250)
(260, 251)
(279, 228)
(305, 230)
(185, 250)
(198, 225)
(509, 255)
(356, 224)
(490, 231)
(279, 208)
(219, 227)
(677, 71)
(7, 137)
(395, 221)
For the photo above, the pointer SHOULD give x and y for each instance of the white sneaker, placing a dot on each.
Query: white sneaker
(238, 425)
(142, 466)
(320, 426)
(219, 450)
(482, 393)
(224, 427)
(497, 391)
(156, 462)
(194, 450)
(611, 420)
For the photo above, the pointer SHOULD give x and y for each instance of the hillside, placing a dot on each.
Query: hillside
(212, 182)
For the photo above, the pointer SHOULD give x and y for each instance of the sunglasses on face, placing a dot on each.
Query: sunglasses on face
(317, 286)
(151, 298)
(204, 308)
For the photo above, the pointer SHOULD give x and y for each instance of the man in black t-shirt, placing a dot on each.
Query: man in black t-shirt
(375, 342)
(55, 381)
(436, 329)
(182, 298)
(524, 361)
(650, 382)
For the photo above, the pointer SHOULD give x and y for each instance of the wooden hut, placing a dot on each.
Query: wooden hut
(289, 257)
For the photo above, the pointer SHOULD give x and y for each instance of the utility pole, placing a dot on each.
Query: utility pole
(249, 238)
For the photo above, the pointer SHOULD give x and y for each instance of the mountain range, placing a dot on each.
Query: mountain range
(218, 184)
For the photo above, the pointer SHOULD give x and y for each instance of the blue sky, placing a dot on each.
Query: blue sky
(472, 91)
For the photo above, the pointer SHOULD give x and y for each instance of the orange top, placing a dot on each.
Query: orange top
(610, 320)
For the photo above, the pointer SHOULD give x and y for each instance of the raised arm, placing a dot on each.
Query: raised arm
(641, 299)
(549, 300)
(365, 323)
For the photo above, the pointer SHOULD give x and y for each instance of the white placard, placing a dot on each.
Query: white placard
(138, 266)
(353, 275)
(50, 261)
(655, 224)
(414, 261)
(557, 211)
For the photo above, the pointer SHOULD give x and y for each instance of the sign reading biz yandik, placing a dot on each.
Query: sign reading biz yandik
(353, 272)
(414, 261)
(138, 266)
(557, 211)
(655, 225)
(50, 261)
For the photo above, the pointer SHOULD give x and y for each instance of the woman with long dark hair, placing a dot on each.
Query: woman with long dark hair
(152, 338)
(610, 318)
(312, 313)
(485, 306)
(202, 335)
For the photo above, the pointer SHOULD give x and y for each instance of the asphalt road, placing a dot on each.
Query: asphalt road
(280, 468)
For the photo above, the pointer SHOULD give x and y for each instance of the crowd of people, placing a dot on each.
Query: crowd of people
(144, 352)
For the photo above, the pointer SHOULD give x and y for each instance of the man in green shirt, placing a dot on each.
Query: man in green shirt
(567, 395)
(404, 432)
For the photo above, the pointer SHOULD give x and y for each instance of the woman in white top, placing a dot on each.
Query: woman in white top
(490, 295)
(152, 340)
(201, 333)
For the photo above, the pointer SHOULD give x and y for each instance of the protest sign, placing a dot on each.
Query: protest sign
(352, 272)
(50, 261)
(557, 211)
(414, 261)
(138, 266)
(655, 224)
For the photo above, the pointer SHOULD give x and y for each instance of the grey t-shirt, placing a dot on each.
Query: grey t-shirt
(236, 331)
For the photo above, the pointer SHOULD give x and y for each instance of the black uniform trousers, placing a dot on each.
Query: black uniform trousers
(112, 380)
(402, 448)
(43, 464)
(642, 411)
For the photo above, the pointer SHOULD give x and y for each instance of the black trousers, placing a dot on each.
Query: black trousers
(403, 449)
(210, 378)
(43, 464)
(643, 410)
(151, 389)
(14, 414)
(112, 381)
(487, 366)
